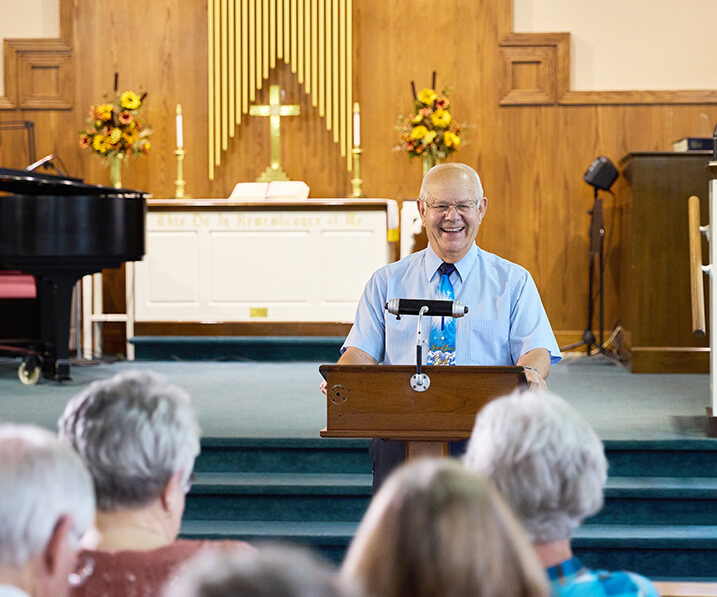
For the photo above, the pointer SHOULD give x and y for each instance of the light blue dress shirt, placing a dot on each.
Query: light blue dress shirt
(505, 316)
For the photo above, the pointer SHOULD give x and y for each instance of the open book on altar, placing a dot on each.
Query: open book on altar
(278, 190)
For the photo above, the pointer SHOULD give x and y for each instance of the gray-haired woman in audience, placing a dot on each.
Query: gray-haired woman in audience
(138, 436)
(270, 571)
(438, 530)
(550, 466)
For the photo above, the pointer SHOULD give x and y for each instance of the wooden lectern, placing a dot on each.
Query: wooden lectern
(379, 401)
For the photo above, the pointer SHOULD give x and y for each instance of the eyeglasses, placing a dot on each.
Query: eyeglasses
(462, 207)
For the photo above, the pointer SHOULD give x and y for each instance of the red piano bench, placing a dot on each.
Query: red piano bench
(16, 285)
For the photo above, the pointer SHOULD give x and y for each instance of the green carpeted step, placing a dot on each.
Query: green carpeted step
(238, 348)
(659, 500)
(653, 550)
(659, 517)
(302, 455)
(278, 497)
(331, 539)
(694, 457)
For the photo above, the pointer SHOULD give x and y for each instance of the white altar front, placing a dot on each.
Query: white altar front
(218, 260)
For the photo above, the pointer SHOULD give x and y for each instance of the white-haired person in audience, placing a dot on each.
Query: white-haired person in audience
(269, 571)
(437, 530)
(46, 504)
(139, 437)
(550, 466)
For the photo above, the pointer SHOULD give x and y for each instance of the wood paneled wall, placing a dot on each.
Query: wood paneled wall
(531, 157)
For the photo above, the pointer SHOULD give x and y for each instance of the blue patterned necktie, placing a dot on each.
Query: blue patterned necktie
(442, 347)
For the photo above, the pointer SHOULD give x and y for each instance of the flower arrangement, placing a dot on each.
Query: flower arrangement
(114, 128)
(429, 131)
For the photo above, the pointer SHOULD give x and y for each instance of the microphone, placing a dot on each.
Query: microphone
(41, 162)
(438, 308)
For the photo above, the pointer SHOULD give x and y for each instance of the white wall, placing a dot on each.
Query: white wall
(28, 18)
(630, 44)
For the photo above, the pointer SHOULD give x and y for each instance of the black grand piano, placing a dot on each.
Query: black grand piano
(60, 229)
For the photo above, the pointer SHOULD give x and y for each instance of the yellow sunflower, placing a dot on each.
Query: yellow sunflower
(441, 118)
(419, 132)
(130, 100)
(427, 96)
(97, 142)
(451, 139)
(104, 112)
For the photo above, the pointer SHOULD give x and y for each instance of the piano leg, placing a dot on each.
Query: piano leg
(63, 307)
(46, 296)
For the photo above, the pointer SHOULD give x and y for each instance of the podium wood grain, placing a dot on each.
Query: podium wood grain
(378, 401)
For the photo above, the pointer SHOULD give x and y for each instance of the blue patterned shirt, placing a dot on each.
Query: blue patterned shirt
(572, 579)
(505, 316)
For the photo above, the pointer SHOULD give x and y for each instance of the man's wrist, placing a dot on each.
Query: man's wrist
(533, 369)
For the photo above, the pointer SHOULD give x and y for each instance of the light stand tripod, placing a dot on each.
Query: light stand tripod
(597, 240)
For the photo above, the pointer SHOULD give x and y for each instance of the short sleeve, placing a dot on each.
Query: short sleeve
(529, 324)
(368, 332)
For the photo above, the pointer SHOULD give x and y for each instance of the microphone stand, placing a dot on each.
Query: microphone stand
(420, 382)
(597, 239)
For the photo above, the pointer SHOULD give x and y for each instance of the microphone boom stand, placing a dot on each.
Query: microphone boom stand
(597, 239)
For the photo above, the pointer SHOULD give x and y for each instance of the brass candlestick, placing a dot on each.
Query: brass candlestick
(356, 180)
(180, 182)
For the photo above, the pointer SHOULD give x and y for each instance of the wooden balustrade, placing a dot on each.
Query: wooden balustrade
(697, 292)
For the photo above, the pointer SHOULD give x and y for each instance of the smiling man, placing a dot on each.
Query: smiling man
(506, 323)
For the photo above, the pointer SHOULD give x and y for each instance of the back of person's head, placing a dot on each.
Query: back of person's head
(544, 458)
(438, 530)
(134, 431)
(270, 571)
(43, 481)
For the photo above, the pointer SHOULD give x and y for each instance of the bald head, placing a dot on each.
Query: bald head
(450, 179)
(451, 206)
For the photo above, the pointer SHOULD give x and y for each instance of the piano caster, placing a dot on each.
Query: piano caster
(29, 371)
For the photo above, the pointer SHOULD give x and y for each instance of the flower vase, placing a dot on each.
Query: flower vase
(428, 162)
(116, 170)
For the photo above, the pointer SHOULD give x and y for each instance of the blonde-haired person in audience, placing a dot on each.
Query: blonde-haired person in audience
(550, 466)
(437, 530)
(46, 504)
(269, 571)
(139, 437)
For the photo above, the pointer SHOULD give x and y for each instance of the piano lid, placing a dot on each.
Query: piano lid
(33, 183)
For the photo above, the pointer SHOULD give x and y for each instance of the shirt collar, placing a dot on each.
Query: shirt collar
(565, 570)
(432, 262)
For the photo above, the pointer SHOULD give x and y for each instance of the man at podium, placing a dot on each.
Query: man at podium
(506, 323)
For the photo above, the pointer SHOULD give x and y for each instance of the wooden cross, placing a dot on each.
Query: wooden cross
(274, 111)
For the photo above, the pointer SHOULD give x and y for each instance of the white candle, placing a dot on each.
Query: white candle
(180, 131)
(357, 125)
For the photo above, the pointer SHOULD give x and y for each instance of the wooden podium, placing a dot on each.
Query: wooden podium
(378, 401)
